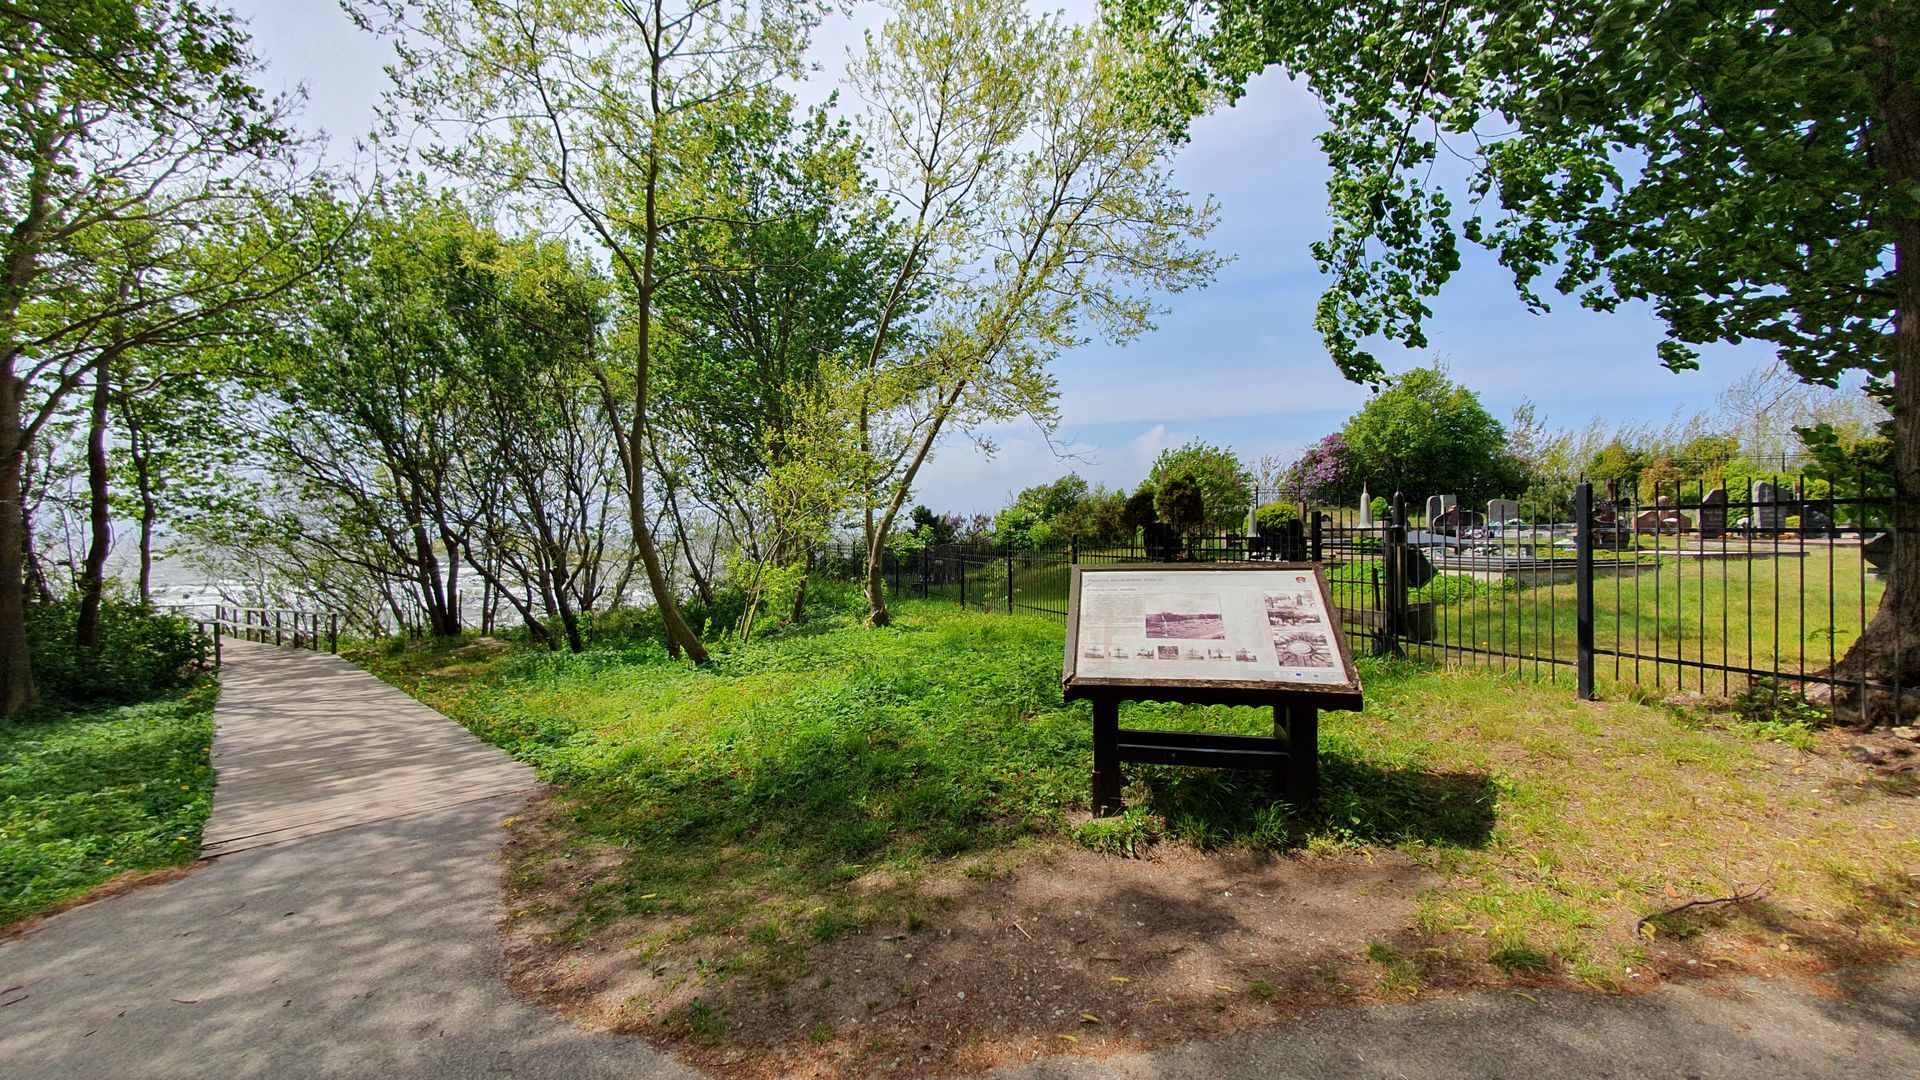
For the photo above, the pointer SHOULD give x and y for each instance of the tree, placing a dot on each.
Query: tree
(1226, 488)
(1325, 473)
(1749, 170)
(602, 119)
(764, 312)
(1182, 503)
(127, 129)
(1428, 435)
(1030, 178)
(1138, 512)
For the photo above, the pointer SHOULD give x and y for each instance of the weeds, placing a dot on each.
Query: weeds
(87, 796)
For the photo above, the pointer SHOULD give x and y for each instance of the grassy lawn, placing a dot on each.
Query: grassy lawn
(86, 797)
(1794, 614)
(1790, 614)
(805, 786)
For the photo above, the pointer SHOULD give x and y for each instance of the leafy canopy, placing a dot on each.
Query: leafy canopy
(1737, 165)
(1428, 435)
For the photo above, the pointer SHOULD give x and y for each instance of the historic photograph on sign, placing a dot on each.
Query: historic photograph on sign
(1200, 625)
(1196, 617)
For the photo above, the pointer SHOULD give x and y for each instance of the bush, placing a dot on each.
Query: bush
(1275, 519)
(1382, 509)
(141, 653)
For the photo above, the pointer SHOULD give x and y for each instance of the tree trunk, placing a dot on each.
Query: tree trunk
(1883, 665)
(86, 632)
(149, 509)
(877, 613)
(16, 666)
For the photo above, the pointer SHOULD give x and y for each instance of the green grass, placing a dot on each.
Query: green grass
(802, 785)
(87, 796)
(1792, 615)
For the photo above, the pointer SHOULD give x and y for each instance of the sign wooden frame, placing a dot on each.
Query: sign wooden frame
(1291, 756)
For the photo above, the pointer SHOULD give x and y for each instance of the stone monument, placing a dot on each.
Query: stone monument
(1713, 514)
(1500, 511)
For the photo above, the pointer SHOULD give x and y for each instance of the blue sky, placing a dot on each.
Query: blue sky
(1238, 364)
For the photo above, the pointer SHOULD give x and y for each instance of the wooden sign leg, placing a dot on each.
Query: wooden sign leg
(1303, 754)
(1106, 756)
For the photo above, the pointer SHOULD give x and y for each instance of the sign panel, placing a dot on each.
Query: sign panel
(1200, 624)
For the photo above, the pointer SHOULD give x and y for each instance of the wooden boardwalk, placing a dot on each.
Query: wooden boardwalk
(307, 744)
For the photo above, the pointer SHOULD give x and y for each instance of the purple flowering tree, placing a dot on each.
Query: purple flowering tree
(1324, 473)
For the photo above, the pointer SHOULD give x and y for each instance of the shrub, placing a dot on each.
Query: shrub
(1275, 519)
(141, 653)
(1181, 504)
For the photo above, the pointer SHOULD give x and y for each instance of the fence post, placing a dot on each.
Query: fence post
(276, 626)
(333, 632)
(1314, 537)
(1394, 556)
(217, 626)
(1583, 590)
(1009, 580)
(960, 560)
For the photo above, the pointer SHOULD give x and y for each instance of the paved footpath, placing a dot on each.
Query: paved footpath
(347, 930)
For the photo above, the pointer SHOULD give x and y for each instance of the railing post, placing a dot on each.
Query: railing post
(276, 626)
(960, 560)
(1583, 590)
(1315, 538)
(1009, 580)
(1393, 555)
(333, 632)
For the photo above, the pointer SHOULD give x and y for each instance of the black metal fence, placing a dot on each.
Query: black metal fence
(1687, 587)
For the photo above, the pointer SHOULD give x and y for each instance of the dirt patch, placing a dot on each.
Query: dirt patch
(1060, 951)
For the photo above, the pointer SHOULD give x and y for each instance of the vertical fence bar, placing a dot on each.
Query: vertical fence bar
(1009, 580)
(1315, 537)
(1583, 590)
(1394, 555)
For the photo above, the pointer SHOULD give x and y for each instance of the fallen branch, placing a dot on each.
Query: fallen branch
(1736, 898)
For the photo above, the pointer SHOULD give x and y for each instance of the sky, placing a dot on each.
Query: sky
(1237, 364)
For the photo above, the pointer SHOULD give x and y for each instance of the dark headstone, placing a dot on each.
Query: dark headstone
(1713, 514)
(1766, 507)
(1879, 553)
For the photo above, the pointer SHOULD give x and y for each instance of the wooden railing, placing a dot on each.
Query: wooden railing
(279, 626)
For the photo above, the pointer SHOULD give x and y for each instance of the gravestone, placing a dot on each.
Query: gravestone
(1662, 519)
(1766, 507)
(1713, 514)
(1438, 505)
(1502, 510)
(1879, 554)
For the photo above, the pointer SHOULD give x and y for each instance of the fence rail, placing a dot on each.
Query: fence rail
(298, 628)
(1705, 589)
